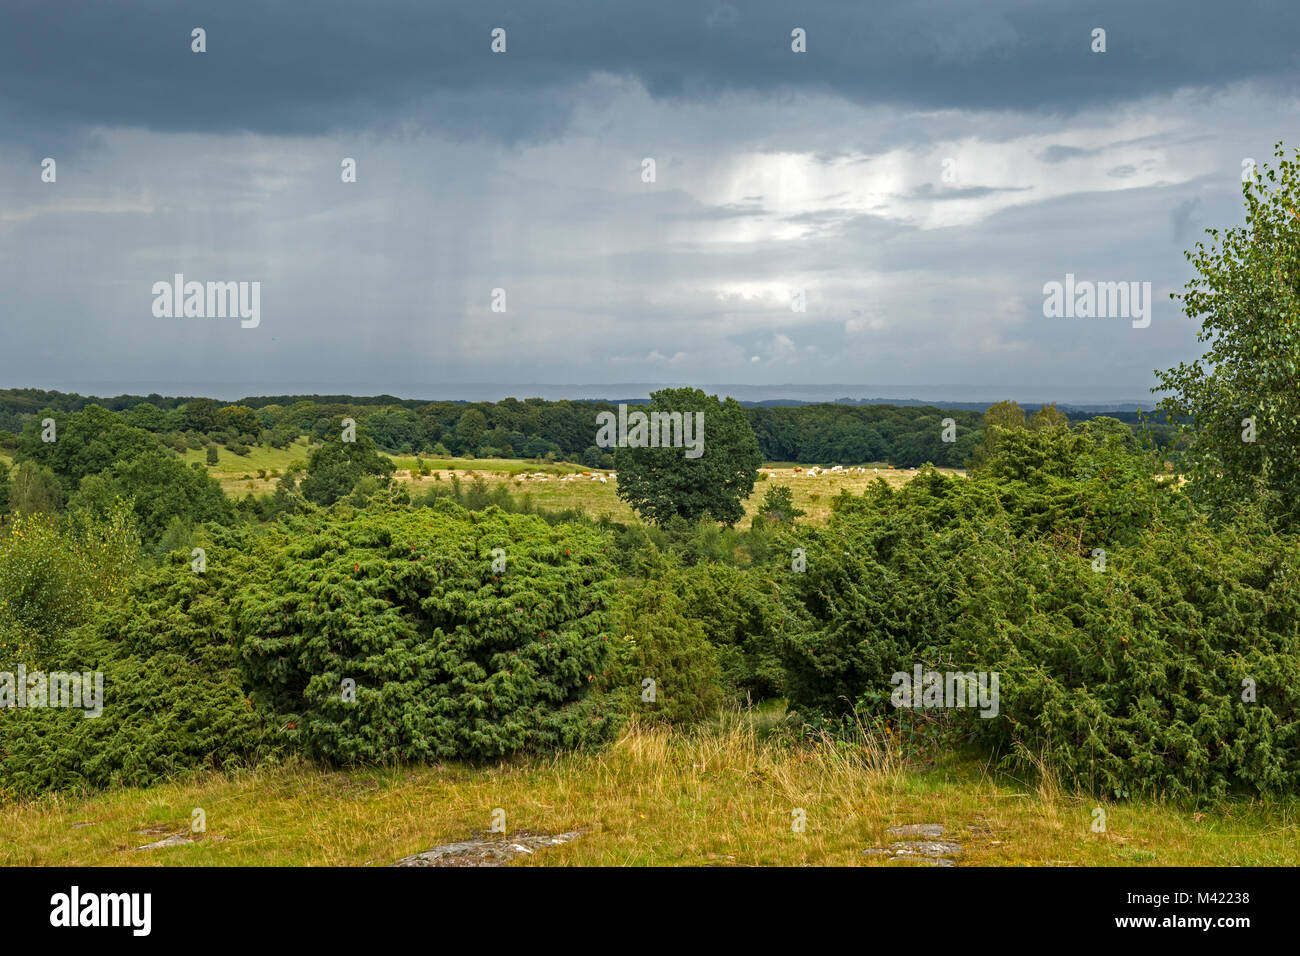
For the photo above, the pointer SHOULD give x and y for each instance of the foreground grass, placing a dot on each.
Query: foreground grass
(723, 797)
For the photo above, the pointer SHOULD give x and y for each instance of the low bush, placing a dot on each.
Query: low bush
(173, 698)
(1138, 649)
(452, 652)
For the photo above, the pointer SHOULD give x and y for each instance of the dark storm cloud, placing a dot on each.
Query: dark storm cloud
(314, 67)
(827, 172)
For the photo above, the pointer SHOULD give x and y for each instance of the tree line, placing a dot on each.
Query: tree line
(534, 428)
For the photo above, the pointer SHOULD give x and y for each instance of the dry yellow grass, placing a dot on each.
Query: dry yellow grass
(723, 796)
(813, 494)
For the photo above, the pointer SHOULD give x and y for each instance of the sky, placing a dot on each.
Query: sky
(913, 179)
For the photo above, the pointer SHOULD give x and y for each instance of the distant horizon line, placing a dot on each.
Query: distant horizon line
(498, 391)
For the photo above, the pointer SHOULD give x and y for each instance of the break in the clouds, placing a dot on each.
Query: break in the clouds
(884, 208)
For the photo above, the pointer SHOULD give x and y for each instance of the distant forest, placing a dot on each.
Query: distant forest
(534, 428)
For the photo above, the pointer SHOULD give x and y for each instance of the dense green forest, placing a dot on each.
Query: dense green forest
(902, 435)
(340, 619)
(477, 632)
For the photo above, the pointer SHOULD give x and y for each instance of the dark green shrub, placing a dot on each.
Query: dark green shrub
(657, 640)
(1131, 680)
(778, 505)
(450, 657)
(1121, 627)
(172, 693)
(739, 612)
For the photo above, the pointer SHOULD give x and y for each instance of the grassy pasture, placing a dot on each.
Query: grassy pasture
(238, 476)
(812, 494)
(722, 796)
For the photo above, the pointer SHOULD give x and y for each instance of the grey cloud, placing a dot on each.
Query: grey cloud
(311, 69)
(1181, 217)
(522, 172)
(943, 193)
(1058, 154)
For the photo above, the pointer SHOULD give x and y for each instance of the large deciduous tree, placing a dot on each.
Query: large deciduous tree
(335, 468)
(240, 419)
(998, 418)
(1242, 397)
(161, 490)
(82, 443)
(662, 483)
(1048, 418)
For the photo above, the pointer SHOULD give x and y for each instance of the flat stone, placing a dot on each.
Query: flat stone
(933, 848)
(173, 840)
(929, 830)
(926, 860)
(483, 852)
(929, 852)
